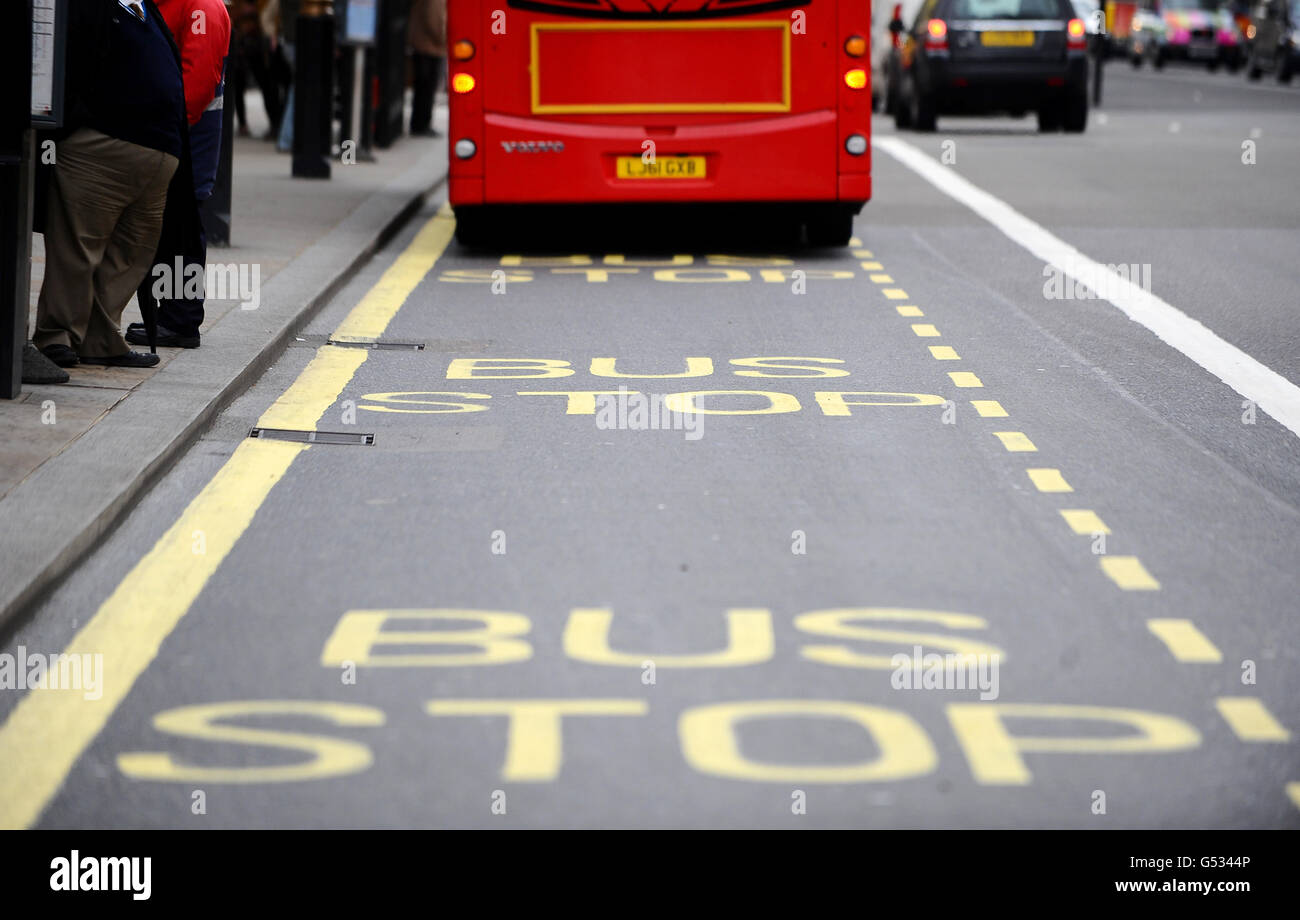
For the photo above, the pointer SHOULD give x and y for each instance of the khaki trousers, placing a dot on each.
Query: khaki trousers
(103, 219)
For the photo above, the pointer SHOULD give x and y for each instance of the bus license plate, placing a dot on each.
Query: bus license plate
(664, 167)
(1007, 39)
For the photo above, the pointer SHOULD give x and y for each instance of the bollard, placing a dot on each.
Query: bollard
(313, 90)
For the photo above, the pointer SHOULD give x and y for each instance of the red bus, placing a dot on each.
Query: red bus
(594, 102)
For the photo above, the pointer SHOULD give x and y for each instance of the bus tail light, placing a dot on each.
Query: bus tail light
(936, 35)
(1076, 35)
(855, 46)
(856, 79)
(462, 83)
(463, 50)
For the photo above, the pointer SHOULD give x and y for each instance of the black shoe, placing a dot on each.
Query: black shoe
(136, 335)
(39, 369)
(130, 359)
(425, 132)
(61, 355)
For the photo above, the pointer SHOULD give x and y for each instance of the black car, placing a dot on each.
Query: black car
(1275, 39)
(980, 57)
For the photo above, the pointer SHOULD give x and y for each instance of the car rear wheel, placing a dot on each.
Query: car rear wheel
(1158, 59)
(1049, 119)
(902, 112)
(1284, 70)
(1074, 112)
(923, 110)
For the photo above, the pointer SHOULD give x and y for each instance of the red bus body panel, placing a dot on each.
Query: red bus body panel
(558, 97)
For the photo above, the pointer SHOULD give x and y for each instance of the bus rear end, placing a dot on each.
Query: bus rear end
(557, 102)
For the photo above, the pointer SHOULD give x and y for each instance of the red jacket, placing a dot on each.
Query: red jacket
(202, 32)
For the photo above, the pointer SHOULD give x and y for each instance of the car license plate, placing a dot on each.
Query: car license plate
(1007, 39)
(662, 167)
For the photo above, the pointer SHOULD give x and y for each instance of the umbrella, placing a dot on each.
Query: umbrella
(149, 315)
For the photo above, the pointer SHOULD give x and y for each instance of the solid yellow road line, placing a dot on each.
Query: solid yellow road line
(909, 310)
(965, 379)
(989, 408)
(1084, 522)
(1250, 719)
(1015, 441)
(47, 732)
(369, 318)
(1129, 573)
(925, 330)
(1048, 480)
(1184, 641)
(301, 406)
(894, 293)
(944, 353)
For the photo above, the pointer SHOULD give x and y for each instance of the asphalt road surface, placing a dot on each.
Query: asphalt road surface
(525, 605)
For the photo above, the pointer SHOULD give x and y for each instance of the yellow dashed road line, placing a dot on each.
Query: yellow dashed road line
(989, 408)
(925, 330)
(1128, 573)
(1015, 441)
(1250, 719)
(1184, 641)
(909, 310)
(965, 379)
(1084, 522)
(894, 293)
(1048, 480)
(944, 353)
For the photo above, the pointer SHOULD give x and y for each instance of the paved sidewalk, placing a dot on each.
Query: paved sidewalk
(74, 457)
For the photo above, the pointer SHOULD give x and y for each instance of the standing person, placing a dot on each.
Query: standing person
(245, 52)
(286, 12)
(123, 141)
(270, 67)
(201, 29)
(427, 37)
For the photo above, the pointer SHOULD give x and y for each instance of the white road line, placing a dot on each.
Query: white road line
(1269, 390)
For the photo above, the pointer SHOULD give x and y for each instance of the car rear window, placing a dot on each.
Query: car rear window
(1005, 9)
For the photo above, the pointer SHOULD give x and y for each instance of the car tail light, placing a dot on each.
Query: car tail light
(462, 83)
(463, 50)
(855, 46)
(1076, 35)
(856, 79)
(936, 35)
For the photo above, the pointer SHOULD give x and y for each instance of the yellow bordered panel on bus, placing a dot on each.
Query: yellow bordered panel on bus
(660, 67)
